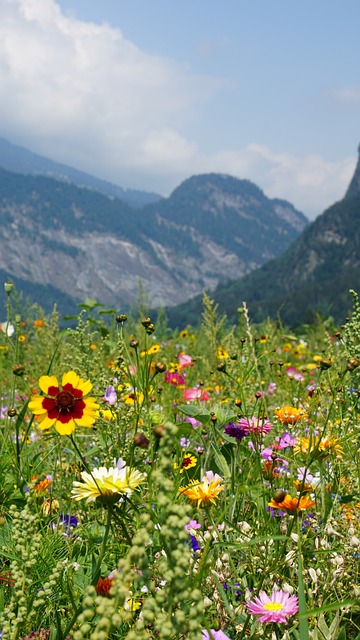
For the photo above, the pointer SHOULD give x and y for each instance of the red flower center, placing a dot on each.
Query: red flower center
(186, 462)
(65, 401)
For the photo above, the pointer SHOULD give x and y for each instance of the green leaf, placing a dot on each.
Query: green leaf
(220, 461)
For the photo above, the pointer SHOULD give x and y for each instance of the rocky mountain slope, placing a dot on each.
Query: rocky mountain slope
(313, 275)
(84, 244)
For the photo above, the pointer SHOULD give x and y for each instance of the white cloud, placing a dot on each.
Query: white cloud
(82, 94)
(64, 80)
(348, 96)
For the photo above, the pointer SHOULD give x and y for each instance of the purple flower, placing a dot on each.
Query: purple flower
(185, 443)
(110, 395)
(235, 431)
(194, 423)
(286, 440)
(193, 524)
(194, 544)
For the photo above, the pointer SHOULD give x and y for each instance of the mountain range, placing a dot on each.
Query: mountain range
(64, 239)
(311, 278)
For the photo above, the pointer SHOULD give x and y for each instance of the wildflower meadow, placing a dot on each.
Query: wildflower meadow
(156, 484)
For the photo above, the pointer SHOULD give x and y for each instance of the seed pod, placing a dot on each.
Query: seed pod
(134, 343)
(279, 495)
(221, 366)
(18, 370)
(159, 431)
(160, 367)
(140, 440)
(122, 317)
(146, 322)
(352, 364)
(150, 329)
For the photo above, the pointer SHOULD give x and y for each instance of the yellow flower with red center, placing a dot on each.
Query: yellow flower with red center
(292, 505)
(64, 405)
(188, 462)
(205, 491)
(290, 415)
(222, 353)
(317, 444)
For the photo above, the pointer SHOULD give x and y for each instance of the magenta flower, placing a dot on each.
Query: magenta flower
(274, 608)
(174, 378)
(292, 372)
(214, 635)
(185, 360)
(195, 393)
(255, 425)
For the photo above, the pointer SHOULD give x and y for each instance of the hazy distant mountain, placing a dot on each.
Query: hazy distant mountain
(84, 244)
(20, 160)
(313, 276)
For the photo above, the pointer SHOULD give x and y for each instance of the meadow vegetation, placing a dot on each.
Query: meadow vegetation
(198, 484)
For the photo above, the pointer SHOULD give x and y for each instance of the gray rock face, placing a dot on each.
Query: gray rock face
(212, 229)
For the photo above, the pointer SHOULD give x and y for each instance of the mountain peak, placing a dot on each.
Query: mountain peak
(354, 186)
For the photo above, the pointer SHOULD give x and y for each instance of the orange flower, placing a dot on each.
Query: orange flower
(38, 323)
(321, 446)
(290, 415)
(292, 505)
(205, 491)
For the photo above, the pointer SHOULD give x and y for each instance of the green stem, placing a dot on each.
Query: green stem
(96, 574)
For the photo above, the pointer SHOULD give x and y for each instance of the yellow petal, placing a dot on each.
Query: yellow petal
(85, 421)
(44, 422)
(65, 429)
(45, 382)
(70, 377)
(35, 405)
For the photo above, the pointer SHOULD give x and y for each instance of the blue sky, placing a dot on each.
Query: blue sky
(146, 93)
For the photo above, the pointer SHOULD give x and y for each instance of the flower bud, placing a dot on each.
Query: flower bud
(140, 440)
(8, 285)
(160, 367)
(279, 495)
(122, 317)
(18, 370)
(134, 343)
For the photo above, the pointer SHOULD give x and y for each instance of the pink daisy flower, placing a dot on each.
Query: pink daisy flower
(255, 425)
(274, 608)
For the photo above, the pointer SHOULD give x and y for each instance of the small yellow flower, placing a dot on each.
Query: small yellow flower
(323, 446)
(188, 462)
(155, 348)
(21, 338)
(184, 333)
(222, 353)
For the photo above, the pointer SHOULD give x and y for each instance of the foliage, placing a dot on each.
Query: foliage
(232, 458)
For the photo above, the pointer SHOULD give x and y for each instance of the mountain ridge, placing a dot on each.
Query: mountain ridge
(313, 275)
(87, 244)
